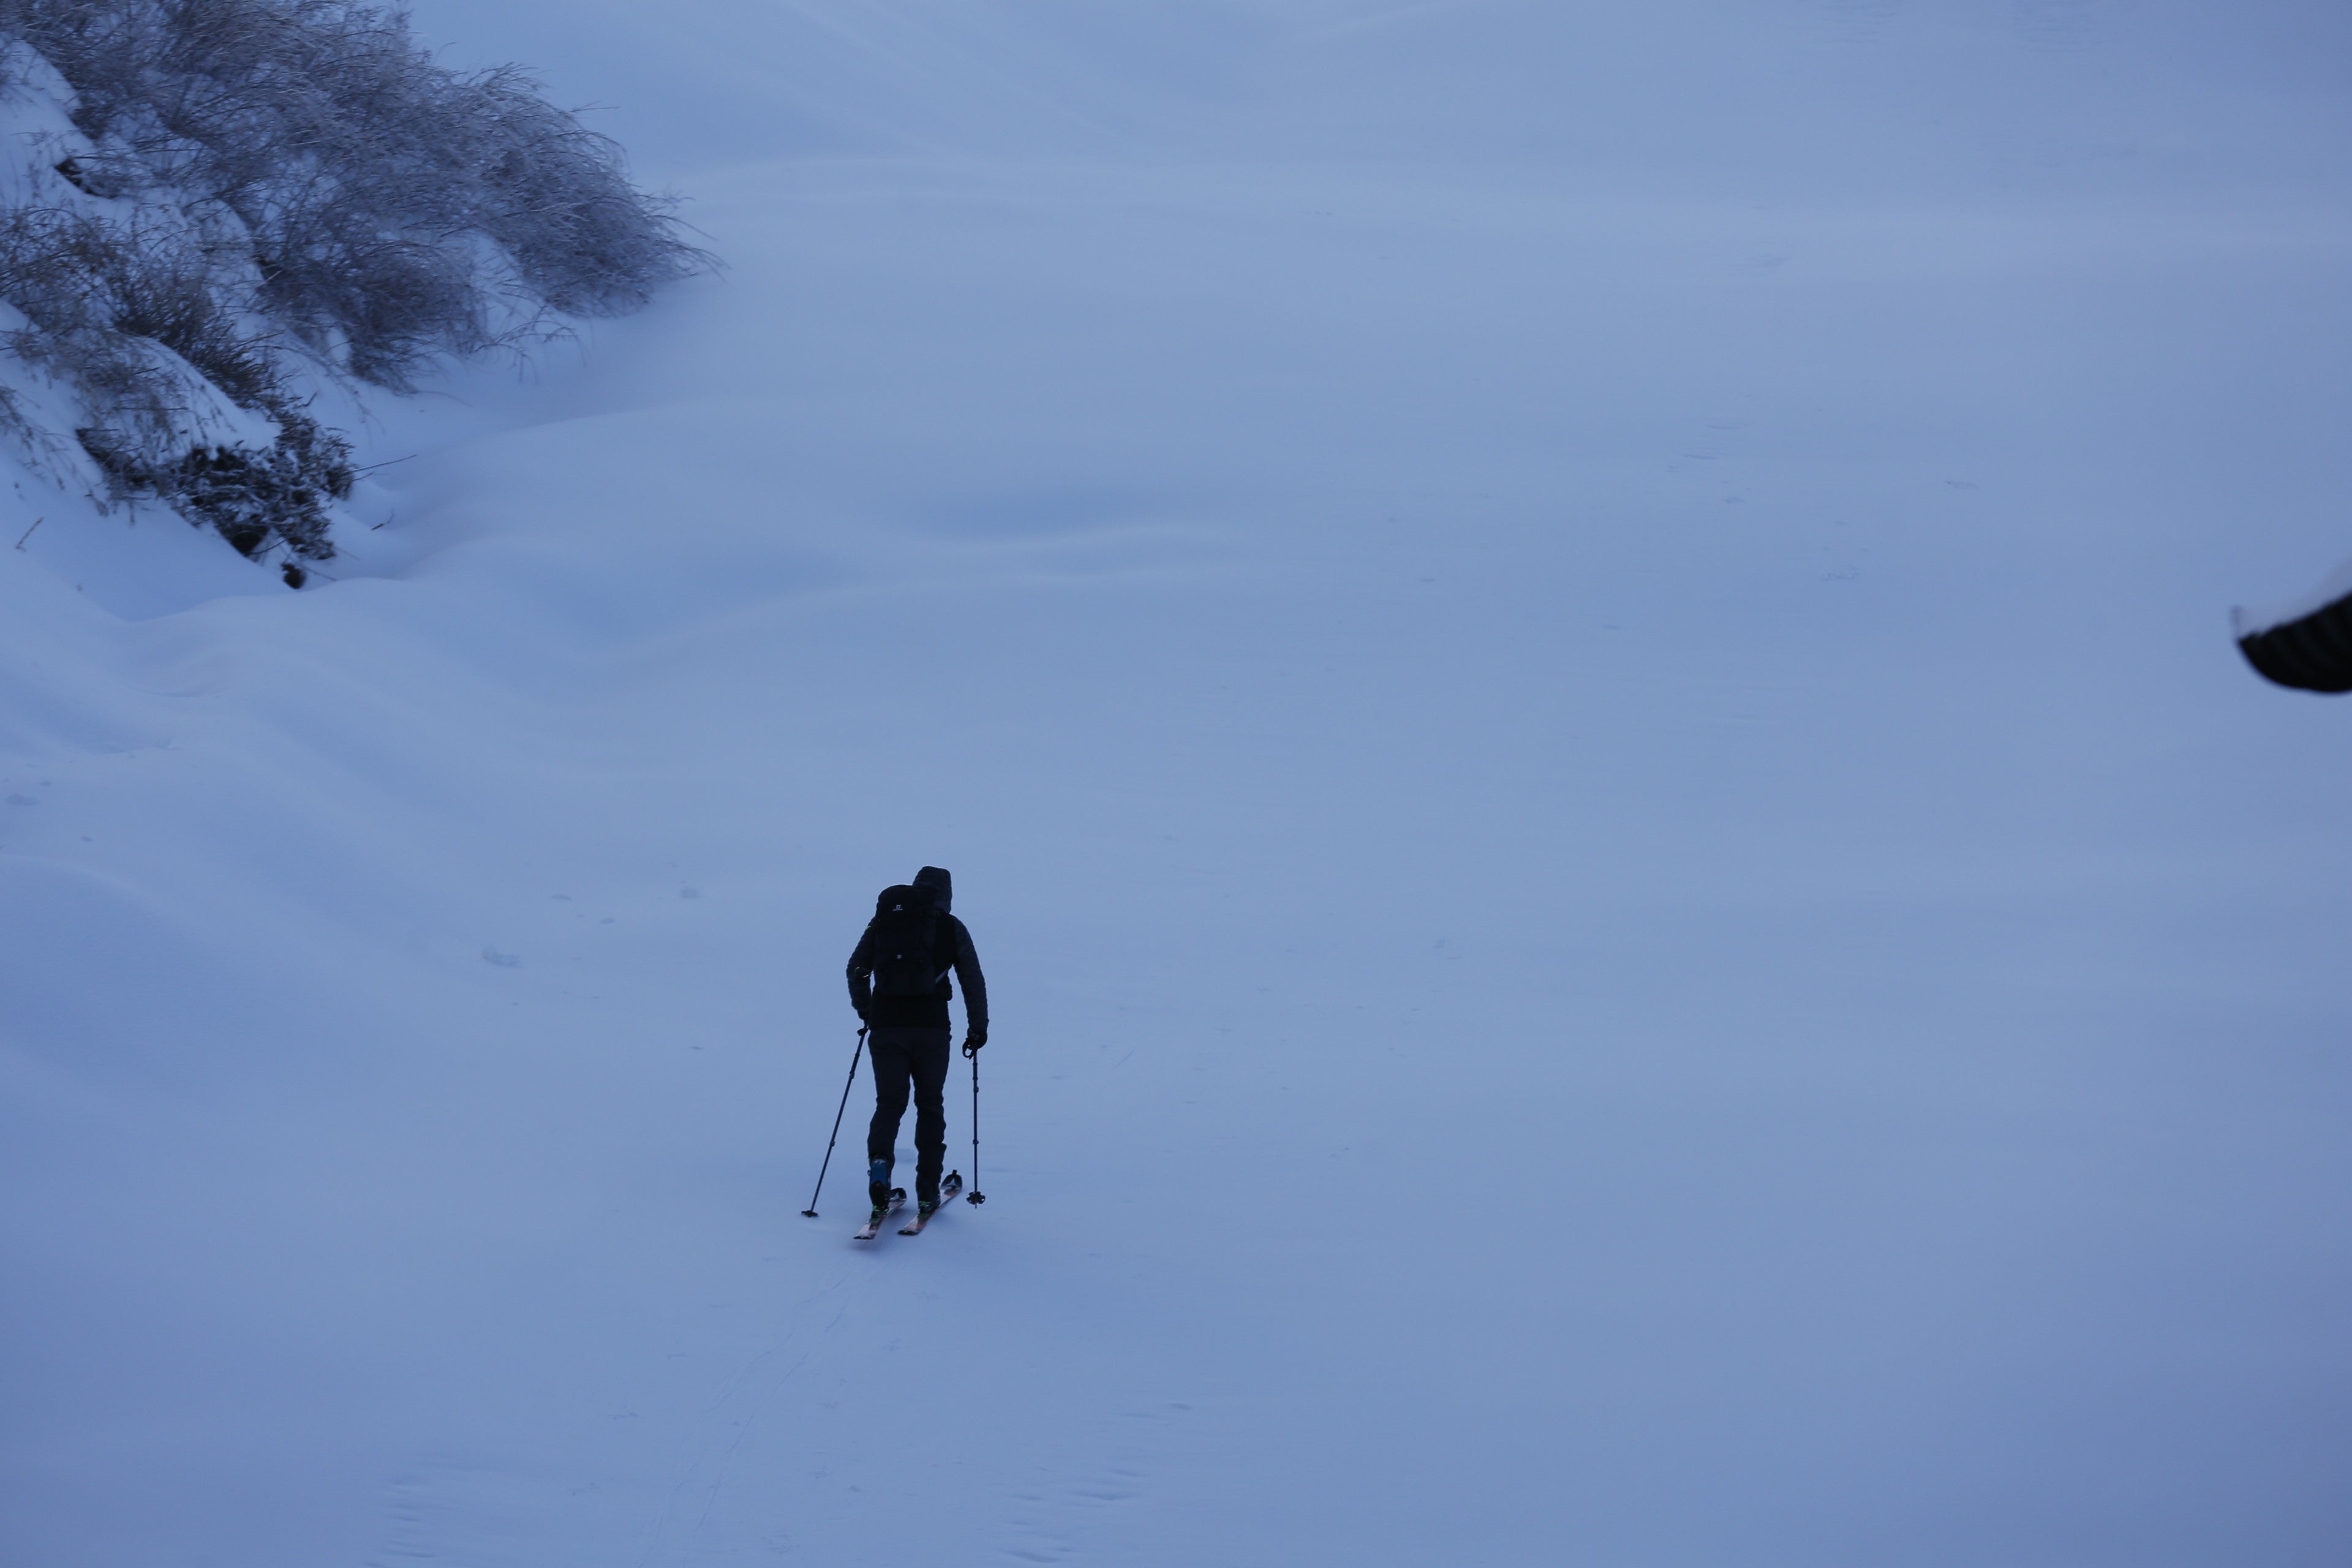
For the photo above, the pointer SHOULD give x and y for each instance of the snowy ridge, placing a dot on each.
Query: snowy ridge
(1582, 639)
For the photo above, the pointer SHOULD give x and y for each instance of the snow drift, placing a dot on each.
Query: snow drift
(1567, 658)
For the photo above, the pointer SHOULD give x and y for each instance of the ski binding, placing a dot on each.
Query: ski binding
(948, 1190)
(873, 1226)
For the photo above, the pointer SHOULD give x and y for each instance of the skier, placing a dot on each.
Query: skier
(899, 984)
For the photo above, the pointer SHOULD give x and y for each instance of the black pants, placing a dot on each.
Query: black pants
(916, 1057)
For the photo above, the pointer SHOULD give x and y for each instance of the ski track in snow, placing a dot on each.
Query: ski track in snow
(1574, 665)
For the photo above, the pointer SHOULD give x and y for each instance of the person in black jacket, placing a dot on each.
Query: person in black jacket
(899, 984)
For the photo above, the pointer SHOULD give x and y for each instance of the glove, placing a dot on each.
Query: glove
(973, 1039)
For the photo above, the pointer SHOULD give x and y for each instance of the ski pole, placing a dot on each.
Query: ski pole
(975, 1195)
(811, 1210)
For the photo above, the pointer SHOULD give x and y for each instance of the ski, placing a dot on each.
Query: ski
(948, 1191)
(873, 1226)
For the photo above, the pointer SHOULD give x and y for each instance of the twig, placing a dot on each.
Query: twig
(28, 533)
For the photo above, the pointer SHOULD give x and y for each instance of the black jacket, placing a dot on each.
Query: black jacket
(952, 947)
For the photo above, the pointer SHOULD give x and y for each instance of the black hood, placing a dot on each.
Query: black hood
(941, 885)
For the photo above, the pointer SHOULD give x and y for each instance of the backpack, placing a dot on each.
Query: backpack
(902, 941)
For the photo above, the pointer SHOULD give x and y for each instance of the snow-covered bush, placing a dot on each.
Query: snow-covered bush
(247, 191)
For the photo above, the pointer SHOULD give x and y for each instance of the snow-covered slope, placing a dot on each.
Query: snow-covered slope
(1573, 663)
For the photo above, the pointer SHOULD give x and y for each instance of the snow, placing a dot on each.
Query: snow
(1573, 665)
(2335, 585)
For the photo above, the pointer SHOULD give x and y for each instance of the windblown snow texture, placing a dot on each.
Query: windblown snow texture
(1570, 659)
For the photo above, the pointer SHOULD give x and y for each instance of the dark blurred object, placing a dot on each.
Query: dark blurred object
(2306, 645)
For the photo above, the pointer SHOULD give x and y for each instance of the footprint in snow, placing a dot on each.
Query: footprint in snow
(503, 960)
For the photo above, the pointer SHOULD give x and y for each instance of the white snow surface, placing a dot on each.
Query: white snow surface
(1573, 662)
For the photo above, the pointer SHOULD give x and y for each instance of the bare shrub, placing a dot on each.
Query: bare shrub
(132, 316)
(282, 180)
